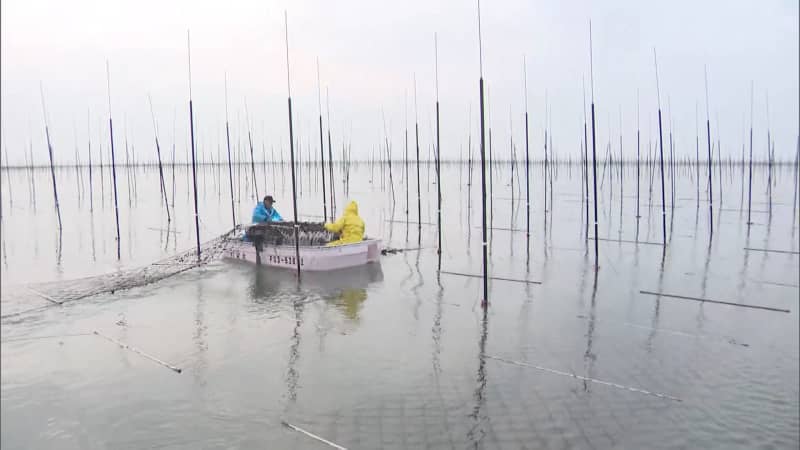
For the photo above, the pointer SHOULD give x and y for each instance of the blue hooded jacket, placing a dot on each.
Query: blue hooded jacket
(262, 214)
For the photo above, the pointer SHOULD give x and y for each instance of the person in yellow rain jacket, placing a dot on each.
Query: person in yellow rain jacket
(349, 227)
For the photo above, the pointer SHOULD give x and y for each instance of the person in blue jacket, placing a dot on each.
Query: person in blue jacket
(265, 212)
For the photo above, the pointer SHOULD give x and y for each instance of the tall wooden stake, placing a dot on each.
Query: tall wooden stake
(594, 152)
(291, 149)
(89, 151)
(769, 156)
(252, 158)
(158, 153)
(438, 154)
(527, 155)
(638, 135)
(321, 147)
(330, 155)
(585, 161)
(545, 156)
(661, 156)
(113, 158)
(228, 142)
(191, 137)
(750, 164)
(174, 119)
(405, 154)
(697, 153)
(484, 243)
(416, 136)
(710, 186)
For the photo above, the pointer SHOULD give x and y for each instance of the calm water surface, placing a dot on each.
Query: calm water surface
(393, 355)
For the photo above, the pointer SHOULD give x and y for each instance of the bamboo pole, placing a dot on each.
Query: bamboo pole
(52, 163)
(158, 153)
(89, 152)
(594, 150)
(527, 155)
(191, 136)
(291, 149)
(228, 143)
(438, 156)
(113, 159)
(661, 156)
(330, 155)
(484, 244)
(321, 147)
(710, 186)
(416, 134)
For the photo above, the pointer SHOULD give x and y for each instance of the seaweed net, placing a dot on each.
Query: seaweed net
(282, 233)
(19, 299)
(59, 292)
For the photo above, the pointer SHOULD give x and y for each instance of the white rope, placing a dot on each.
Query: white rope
(593, 380)
(127, 347)
(312, 435)
(44, 296)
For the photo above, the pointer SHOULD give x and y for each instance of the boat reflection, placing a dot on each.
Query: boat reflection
(349, 302)
(346, 289)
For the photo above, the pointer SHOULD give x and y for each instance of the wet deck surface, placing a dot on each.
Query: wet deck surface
(390, 356)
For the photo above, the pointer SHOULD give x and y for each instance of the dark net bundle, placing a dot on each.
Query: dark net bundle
(282, 233)
(59, 292)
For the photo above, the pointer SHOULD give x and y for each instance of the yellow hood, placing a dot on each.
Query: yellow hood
(351, 208)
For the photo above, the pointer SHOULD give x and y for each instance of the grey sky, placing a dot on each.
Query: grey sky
(369, 53)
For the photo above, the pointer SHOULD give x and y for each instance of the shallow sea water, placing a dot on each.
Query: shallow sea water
(394, 355)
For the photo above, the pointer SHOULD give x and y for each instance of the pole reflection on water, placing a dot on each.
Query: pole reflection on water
(415, 289)
(200, 339)
(478, 415)
(589, 356)
(436, 331)
(656, 306)
(292, 373)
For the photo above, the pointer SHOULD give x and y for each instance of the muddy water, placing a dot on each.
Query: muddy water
(393, 355)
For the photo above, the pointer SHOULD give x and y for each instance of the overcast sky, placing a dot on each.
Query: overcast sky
(370, 52)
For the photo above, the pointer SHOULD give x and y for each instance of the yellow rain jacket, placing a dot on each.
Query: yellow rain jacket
(349, 227)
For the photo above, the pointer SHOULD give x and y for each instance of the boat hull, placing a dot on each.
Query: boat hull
(312, 259)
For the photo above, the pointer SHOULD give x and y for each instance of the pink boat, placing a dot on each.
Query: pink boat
(313, 258)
